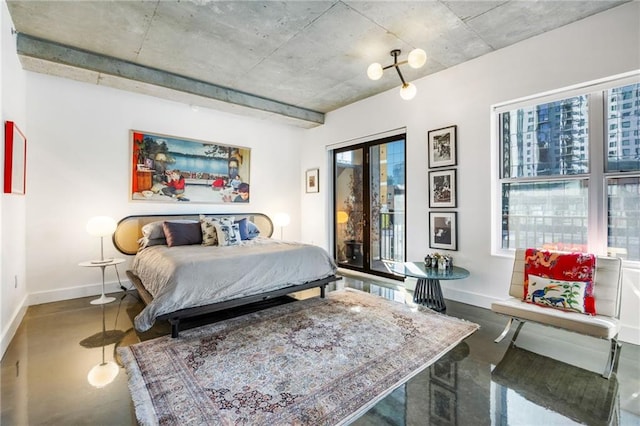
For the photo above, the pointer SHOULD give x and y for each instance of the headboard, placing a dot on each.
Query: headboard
(129, 229)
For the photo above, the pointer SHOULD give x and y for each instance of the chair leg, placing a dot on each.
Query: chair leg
(505, 331)
(614, 356)
(515, 335)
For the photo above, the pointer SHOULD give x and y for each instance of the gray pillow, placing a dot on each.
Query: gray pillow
(145, 242)
(182, 234)
(155, 230)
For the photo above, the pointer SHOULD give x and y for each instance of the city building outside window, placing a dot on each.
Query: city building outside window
(567, 180)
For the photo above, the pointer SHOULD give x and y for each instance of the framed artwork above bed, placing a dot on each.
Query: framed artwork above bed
(171, 169)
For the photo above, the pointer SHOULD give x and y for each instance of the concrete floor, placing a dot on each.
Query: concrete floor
(44, 373)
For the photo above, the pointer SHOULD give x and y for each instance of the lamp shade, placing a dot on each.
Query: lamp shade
(375, 71)
(281, 219)
(408, 91)
(417, 58)
(101, 226)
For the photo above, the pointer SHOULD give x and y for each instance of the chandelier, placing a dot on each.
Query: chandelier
(416, 59)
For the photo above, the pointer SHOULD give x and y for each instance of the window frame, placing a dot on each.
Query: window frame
(597, 212)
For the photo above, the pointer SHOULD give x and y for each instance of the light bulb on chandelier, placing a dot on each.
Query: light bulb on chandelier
(375, 71)
(416, 59)
(408, 91)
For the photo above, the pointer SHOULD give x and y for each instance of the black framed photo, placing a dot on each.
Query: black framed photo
(443, 230)
(441, 147)
(442, 188)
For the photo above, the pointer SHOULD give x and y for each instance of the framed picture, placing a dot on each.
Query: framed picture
(312, 182)
(15, 160)
(442, 188)
(441, 147)
(443, 232)
(170, 169)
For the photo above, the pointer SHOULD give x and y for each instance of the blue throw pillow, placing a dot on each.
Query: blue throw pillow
(252, 230)
(248, 229)
(243, 228)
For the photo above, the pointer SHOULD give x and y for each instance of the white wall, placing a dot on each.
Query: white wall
(12, 207)
(603, 45)
(79, 160)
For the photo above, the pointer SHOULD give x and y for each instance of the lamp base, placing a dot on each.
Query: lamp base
(102, 300)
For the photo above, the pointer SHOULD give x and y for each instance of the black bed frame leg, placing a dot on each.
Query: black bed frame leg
(322, 290)
(175, 327)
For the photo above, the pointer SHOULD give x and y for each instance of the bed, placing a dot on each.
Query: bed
(179, 277)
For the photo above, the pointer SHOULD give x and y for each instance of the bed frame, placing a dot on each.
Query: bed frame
(129, 231)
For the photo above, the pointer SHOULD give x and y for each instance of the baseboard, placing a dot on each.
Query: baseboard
(39, 297)
(468, 297)
(11, 328)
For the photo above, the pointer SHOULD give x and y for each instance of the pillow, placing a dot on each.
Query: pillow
(252, 230)
(208, 229)
(565, 295)
(244, 228)
(228, 235)
(562, 266)
(145, 242)
(226, 220)
(155, 230)
(182, 234)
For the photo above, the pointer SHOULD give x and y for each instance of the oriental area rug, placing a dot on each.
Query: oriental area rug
(311, 362)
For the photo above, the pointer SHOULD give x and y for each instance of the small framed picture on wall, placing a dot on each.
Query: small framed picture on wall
(443, 230)
(441, 147)
(442, 188)
(311, 178)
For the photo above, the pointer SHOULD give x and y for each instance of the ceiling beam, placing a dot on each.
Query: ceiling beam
(61, 54)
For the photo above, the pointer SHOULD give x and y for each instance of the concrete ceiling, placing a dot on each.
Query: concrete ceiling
(290, 60)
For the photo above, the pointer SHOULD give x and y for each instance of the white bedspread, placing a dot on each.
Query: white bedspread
(188, 276)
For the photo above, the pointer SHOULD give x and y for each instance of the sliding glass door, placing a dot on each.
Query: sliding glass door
(369, 200)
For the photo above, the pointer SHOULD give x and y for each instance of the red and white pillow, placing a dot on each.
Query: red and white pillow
(560, 280)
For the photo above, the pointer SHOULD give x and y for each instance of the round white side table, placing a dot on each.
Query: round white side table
(103, 265)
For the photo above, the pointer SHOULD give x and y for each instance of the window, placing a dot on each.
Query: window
(546, 197)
